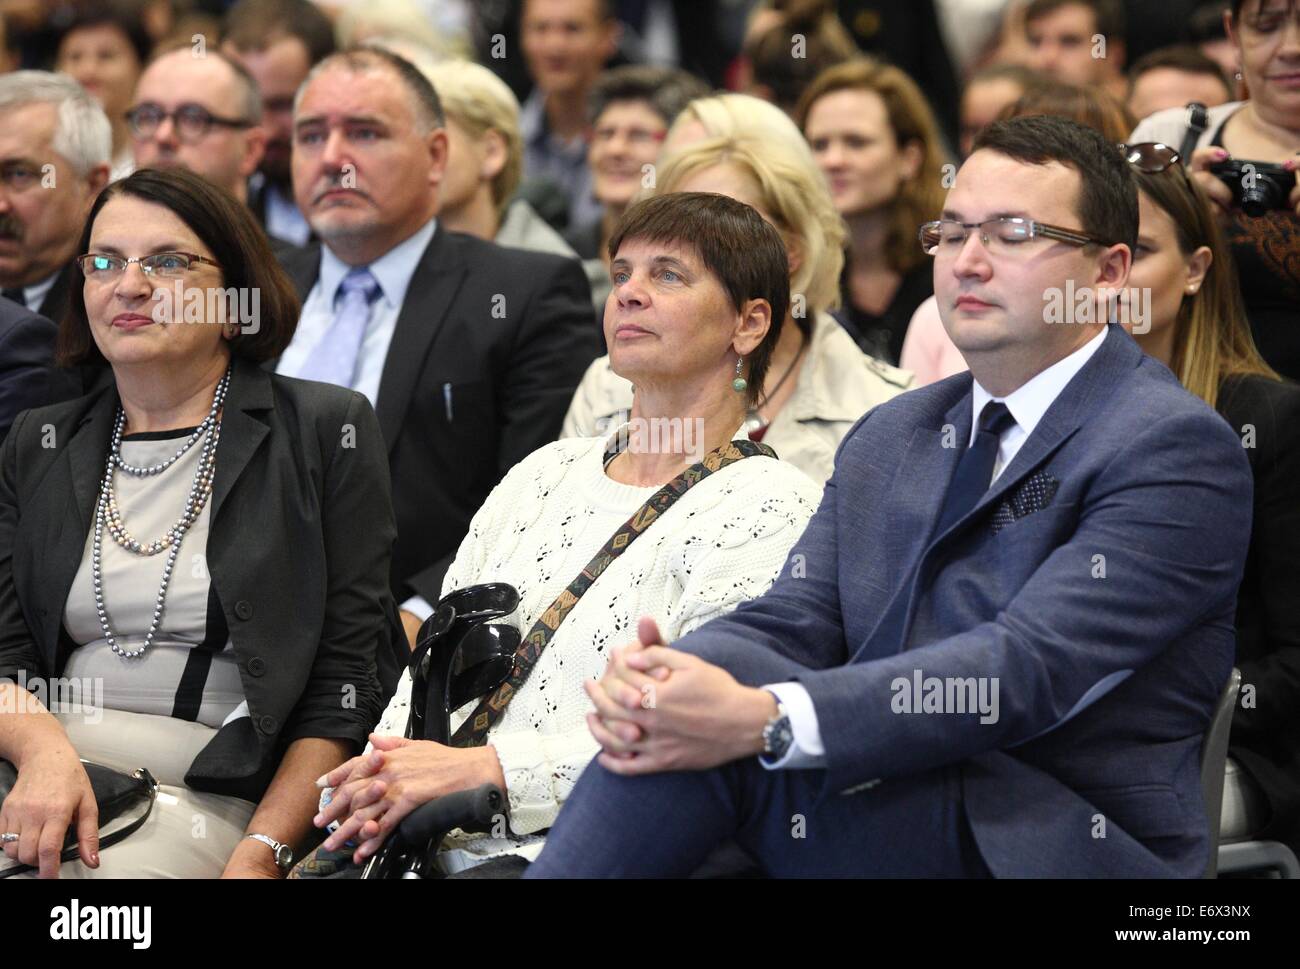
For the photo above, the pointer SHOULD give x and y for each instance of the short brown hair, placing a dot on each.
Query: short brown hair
(1090, 106)
(1108, 203)
(1107, 15)
(826, 43)
(735, 243)
(1179, 57)
(237, 243)
(253, 25)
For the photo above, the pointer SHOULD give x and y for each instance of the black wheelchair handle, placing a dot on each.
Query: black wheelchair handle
(473, 810)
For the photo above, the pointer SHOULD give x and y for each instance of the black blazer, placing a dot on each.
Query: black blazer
(489, 347)
(298, 551)
(28, 377)
(1266, 736)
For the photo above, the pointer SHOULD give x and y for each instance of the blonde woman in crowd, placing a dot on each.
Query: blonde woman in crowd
(485, 161)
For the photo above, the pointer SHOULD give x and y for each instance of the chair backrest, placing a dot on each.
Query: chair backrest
(1214, 762)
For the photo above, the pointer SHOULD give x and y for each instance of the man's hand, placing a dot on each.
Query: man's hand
(374, 791)
(661, 709)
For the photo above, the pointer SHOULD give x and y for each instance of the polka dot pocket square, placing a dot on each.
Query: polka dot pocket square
(1033, 494)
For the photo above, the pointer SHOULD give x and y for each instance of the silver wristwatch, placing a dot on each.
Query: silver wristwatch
(283, 853)
(777, 735)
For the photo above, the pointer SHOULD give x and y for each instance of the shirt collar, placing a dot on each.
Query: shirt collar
(393, 269)
(532, 118)
(536, 131)
(1030, 402)
(34, 295)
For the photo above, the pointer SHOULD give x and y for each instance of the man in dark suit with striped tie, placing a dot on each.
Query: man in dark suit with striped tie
(1000, 641)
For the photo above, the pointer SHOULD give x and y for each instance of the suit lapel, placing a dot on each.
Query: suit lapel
(915, 498)
(56, 298)
(432, 289)
(85, 456)
(926, 469)
(241, 431)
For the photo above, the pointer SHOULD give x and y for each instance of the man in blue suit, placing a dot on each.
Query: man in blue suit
(998, 644)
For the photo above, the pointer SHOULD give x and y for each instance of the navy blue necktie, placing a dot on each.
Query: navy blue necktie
(972, 478)
(974, 471)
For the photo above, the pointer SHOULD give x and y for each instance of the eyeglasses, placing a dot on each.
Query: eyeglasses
(1000, 236)
(102, 267)
(192, 121)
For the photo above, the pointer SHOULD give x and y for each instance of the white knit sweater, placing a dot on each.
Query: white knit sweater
(723, 542)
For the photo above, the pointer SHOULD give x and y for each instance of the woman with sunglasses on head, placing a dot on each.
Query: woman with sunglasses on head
(202, 546)
(1183, 272)
(1264, 130)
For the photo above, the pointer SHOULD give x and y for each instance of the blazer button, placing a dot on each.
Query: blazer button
(256, 666)
(268, 724)
(244, 609)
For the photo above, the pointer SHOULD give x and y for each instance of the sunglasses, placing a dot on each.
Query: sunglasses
(1150, 157)
(1154, 157)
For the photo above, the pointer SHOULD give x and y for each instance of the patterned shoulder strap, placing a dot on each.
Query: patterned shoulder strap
(473, 732)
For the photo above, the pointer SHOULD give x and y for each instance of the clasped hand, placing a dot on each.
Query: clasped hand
(660, 709)
(375, 790)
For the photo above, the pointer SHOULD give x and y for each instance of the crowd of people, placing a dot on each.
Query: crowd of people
(888, 401)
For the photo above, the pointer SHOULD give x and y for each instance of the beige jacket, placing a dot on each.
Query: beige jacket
(837, 384)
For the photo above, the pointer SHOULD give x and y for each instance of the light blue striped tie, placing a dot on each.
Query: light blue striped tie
(334, 359)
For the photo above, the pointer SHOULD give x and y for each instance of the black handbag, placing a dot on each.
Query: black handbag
(116, 794)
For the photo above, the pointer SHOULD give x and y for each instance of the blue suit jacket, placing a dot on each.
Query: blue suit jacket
(1095, 583)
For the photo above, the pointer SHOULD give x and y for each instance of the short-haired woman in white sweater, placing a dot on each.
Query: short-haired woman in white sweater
(700, 288)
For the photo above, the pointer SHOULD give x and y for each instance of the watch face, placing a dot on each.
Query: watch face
(284, 856)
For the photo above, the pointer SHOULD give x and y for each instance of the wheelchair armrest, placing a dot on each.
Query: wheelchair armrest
(472, 810)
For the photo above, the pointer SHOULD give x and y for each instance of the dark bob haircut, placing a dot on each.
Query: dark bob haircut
(229, 231)
(735, 243)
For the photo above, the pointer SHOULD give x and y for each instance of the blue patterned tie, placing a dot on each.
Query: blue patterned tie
(334, 359)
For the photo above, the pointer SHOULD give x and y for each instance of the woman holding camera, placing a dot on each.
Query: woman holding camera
(1264, 133)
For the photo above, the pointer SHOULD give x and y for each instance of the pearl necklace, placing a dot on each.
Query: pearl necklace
(108, 514)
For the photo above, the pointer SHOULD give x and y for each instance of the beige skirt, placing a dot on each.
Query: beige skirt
(189, 834)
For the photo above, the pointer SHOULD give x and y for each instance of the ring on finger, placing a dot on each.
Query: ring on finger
(8, 837)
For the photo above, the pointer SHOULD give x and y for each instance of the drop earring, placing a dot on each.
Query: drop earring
(740, 383)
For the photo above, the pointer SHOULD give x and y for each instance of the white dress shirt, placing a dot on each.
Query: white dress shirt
(1027, 405)
(393, 270)
(283, 219)
(34, 295)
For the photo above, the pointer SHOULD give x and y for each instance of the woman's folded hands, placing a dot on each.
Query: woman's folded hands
(375, 790)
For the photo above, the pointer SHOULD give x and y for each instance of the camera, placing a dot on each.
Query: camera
(1257, 187)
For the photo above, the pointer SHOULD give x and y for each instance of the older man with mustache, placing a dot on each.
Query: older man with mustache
(55, 145)
(469, 351)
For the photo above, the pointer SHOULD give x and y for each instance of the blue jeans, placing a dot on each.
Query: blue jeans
(665, 825)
